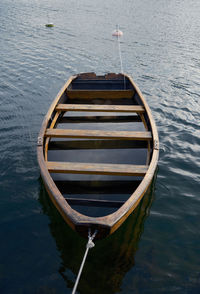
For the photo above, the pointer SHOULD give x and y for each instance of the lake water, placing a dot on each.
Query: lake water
(158, 249)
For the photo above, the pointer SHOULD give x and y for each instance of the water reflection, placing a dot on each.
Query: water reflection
(109, 260)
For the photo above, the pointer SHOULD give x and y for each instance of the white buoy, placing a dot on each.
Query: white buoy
(117, 32)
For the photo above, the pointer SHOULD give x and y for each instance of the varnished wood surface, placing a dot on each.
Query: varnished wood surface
(96, 134)
(100, 108)
(97, 168)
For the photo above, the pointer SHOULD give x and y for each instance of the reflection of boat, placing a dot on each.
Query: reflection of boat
(112, 258)
(108, 115)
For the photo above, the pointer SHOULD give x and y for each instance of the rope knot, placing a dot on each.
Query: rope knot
(90, 244)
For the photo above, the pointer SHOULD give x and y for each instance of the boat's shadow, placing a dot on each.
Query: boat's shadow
(109, 260)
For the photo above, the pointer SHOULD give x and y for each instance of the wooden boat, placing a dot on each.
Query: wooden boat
(98, 151)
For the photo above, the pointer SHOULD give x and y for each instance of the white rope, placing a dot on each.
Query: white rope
(120, 56)
(90, 244)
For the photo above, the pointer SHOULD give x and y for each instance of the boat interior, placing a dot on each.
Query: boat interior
(89, 128)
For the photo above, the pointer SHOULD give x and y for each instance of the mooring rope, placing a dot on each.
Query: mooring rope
(90, 244)
(120, 53)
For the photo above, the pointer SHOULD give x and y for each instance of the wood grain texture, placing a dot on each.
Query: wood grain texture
(96, 134)
(97, 168)
(100, 108)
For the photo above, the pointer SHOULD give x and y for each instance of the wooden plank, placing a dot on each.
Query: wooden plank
(106, 94)
(96, 134)
(97, 144)
(97, 168)
(94, 202)
(100, 108)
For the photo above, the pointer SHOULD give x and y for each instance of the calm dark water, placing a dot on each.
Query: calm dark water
(158, 248)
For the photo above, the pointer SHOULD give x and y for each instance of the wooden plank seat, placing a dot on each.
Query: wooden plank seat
(97, 168)
(94, 202)
(101, 108)
(95, 94)
(97, 134)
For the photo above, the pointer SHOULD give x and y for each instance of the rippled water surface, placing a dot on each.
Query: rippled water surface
(158, 248)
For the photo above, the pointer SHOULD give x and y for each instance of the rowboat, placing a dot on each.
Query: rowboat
(97, 151)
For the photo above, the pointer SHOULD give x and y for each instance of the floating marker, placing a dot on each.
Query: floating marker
(117, 32)
(49, 25)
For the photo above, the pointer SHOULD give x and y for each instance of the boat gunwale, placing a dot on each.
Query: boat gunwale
(112, 221)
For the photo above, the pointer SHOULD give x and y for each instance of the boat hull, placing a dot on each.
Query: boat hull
(103, 100)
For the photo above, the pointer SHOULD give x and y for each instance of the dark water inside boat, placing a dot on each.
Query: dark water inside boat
(157, 249)
(98, 187)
